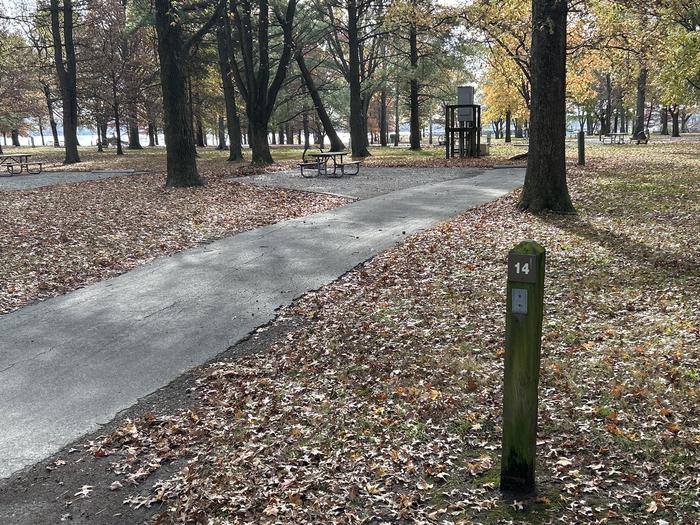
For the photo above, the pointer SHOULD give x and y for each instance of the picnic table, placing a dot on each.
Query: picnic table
(14, 161)
(615, 138)
(320, 165)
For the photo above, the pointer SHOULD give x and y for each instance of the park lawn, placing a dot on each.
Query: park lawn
(58, 238)
(384, 405)
(212, 162)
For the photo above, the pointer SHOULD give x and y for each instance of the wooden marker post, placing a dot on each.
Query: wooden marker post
(581, 148)
(525, 305)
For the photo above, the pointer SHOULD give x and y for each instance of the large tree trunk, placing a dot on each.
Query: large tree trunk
(260, 149)
(414, 107)
(233, 122)
(181, 153)
(664, 120)
(134, 139)
(641, 102)
(336, 143)
(15, 137)
(66, 72)
(545, 180)
(358, 129)
(674, 111)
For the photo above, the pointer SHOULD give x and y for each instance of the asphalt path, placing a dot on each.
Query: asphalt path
(71, 363)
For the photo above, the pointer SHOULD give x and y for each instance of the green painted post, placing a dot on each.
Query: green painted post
(581, 148)
(525, 305)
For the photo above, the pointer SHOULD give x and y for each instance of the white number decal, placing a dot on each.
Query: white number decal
(525, 268)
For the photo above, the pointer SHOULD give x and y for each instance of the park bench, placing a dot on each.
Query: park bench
(353, 163)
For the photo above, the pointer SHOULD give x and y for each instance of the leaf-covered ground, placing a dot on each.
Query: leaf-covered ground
(59, 238)
(385, 406)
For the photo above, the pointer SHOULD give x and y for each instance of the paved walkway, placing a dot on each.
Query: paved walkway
(369, 182)
(50, 178)
(73, 362)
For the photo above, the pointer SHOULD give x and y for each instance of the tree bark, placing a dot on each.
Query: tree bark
(253, 77)
(641, 101)
(222, 133)
(383, 119)
(414, 107)
(181, 153)
(151, 135)
(545, 185)
(674, 110)
(233, 122)
(117, 123)
(200, 133)
(134, 139)
(305, 127)
(664, 120)
(336, 143)
(66, 73)
(605, 125)
(358, 130)
(508, 122)
(397, 121)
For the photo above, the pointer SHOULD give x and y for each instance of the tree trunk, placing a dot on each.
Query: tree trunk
(336, 143)
(358, 129)
(15, 137)
(117, 123)
(221, 129)
(66, 73)
(685, 117)
(233, 122)
(674, 110)
(641, 102)
(134, 139)
(41, 131)
(305, 126)
(52, 120)
(414, 107)
(605, 124)
(508, 121)
(260, 149)
(105, 142)
(98, 129)
(383, 119)
(181, 152)
(151, 135)
(545, 185)
(664, 120)
(280, 134)
(397, 121)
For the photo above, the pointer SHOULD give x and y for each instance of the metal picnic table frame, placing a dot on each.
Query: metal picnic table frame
(9, 161)
(323, 158)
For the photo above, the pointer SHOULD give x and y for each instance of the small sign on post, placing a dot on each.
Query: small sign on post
(525, 305)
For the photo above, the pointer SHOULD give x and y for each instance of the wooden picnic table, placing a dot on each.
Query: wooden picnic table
(12, 160)
(323, 158)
